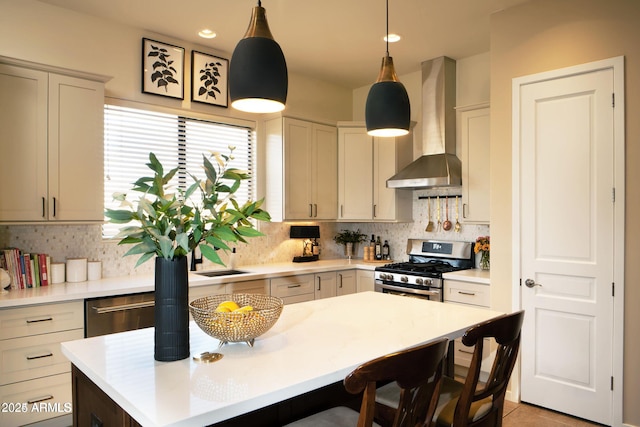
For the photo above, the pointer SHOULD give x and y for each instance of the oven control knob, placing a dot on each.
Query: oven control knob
(428, 282)
(404, 279)
(419, 281)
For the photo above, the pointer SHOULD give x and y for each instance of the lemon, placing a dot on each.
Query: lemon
(231, 305)
(244, 309)
(223, 309)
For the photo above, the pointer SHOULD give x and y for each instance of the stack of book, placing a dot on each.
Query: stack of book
(26, 270)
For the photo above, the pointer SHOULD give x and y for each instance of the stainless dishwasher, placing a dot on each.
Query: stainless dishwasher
(108, 315)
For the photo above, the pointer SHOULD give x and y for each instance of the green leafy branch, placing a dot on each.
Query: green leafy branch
(206, 214)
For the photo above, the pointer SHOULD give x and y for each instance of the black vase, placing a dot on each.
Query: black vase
(171, 310)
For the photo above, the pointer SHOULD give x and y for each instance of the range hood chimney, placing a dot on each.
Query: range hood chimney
(438, 166)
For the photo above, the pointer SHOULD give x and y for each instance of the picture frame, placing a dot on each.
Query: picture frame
(209, 79)
(162, 69)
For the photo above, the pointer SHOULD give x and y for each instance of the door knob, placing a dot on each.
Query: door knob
(530, 283)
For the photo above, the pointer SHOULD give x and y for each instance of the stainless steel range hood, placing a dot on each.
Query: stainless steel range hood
(438, 166)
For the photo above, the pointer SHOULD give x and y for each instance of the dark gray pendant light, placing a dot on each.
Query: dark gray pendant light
(387, 111)
(258, 79)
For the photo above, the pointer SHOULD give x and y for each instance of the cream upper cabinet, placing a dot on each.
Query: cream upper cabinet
(52, 146)
(474, 134)
(301, 170)
(364, 165)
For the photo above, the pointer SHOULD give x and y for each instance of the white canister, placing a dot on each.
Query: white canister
(76, 270)
(56, 275)
(94, 270)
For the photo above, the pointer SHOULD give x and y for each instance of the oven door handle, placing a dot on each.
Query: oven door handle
(404, 290)
(123, 307)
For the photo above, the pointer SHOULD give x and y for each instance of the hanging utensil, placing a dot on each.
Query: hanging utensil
(446, 225)
(430, 223)
(438, 214)
(457, 227)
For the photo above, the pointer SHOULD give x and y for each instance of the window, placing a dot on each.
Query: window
(131, 134)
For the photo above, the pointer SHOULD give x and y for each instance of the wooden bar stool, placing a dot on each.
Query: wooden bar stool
(470, 403)
(416, 372)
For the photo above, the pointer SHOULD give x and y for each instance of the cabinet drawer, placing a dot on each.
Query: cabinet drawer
(466, 293)
(283, 287)
(260, 286)
(36, 400)
(28, 358)
(41, 319)
(298, 298)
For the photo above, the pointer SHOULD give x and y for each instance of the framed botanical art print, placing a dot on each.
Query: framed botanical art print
(209, 79)
(162, 69)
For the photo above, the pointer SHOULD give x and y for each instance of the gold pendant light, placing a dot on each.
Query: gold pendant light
(387, 111)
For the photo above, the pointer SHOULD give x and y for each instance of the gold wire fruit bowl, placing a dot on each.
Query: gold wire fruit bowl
(255, 315)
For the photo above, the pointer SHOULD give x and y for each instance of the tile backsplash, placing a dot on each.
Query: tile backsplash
(85, 241)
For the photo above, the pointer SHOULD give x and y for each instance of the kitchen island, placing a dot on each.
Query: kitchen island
(313, 344)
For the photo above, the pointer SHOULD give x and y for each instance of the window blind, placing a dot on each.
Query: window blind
(177, 141)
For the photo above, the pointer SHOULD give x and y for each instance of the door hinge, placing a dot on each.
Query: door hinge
(611, 383)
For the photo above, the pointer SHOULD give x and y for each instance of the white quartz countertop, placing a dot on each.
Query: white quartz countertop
(145, 283)
(313, 344)
(474, 275)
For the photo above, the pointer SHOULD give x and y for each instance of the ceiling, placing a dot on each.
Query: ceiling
(338, 41)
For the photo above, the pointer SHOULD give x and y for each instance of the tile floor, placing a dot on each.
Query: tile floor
(524, 415)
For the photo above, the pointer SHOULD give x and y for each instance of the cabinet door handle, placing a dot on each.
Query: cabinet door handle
(315, 209)
(374, 210)
(39, 399)
(44, 319)
(467, 293)
(310, 210)
(464, 210)
(44, 206)
(341, 211)
(465, 351)
(340, 276)
(40, 356)
(54, 207)
(319, 286)
(293, 286)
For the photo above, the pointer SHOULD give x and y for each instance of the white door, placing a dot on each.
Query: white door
(567, 239)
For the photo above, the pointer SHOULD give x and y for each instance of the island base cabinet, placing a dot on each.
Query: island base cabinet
(92, 407)
(36, 400)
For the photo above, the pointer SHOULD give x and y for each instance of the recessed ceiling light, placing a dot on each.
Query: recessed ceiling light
(207, 34)
(392, 38)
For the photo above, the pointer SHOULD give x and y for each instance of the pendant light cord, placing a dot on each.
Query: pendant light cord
(387, 38)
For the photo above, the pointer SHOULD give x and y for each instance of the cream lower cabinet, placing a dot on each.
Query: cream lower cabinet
(52, 146)
(476, 294)
(474, 135)
(364, 165)
(35, 380)
(301, 171)
(347, 282)
(326, 285)
(365, 281)
(294, 289)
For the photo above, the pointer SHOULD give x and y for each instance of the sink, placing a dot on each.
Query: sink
(219, 273)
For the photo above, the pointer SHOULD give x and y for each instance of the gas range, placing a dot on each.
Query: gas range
(421, 276)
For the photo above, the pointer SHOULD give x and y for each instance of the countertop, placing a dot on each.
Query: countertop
(313, 344)
(474, 275)
(64, 292)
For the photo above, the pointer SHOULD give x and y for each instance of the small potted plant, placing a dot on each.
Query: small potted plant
(167, 223)
(350, 240)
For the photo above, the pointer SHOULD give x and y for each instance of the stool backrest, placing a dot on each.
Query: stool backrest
(506, 332)
(416, 370)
